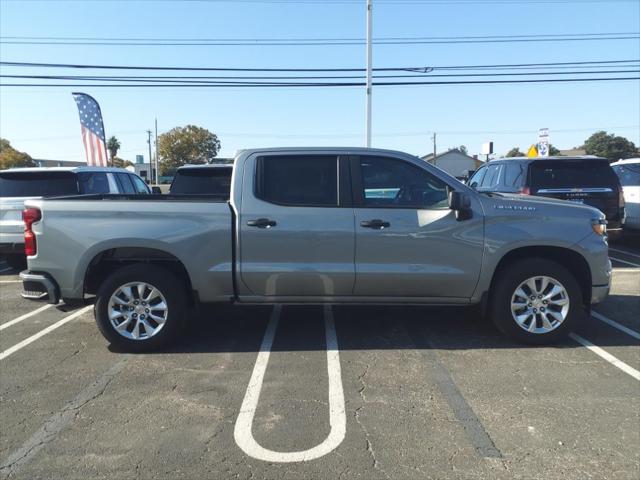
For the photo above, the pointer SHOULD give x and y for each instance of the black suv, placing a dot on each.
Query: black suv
(588, 180)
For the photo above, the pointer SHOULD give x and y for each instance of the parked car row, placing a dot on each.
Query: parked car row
(20, 184)
(586, 180)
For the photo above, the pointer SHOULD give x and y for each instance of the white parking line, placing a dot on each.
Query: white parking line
(42, 333)
(616, 362)
(624, 251)
(10, 281)
(615, 324)
(337, 417)
(25, 316)
(624, 261)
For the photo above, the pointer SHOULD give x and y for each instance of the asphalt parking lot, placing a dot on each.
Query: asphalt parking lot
(322, 392)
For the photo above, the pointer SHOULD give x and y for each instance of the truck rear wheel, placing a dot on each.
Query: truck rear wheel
(536, 301)
(141, 308)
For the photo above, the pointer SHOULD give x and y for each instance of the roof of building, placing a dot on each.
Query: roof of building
(429, 156)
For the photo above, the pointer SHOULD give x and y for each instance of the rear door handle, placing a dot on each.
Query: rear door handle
(261, 223)
(375, 224)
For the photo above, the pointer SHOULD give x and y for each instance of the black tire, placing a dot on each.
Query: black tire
(17, 261)
(173, 290)
(507, 282)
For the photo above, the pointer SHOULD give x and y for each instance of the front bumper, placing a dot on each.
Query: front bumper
(39, 287)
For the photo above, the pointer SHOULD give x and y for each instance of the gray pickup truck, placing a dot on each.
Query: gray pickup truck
(319, 225)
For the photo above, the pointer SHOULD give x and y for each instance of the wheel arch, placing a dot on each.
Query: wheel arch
(568, 258)
(107, 261)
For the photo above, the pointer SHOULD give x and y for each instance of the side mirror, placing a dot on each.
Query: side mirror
(473, 185)
(156, 190)
(461, 204)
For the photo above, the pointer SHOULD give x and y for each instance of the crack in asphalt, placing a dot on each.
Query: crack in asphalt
(375, 464)
(59, 421)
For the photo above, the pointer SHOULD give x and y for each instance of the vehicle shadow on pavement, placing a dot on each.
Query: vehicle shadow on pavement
(240, 329)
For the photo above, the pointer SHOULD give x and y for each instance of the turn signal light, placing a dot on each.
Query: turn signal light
(29, 216)
(599, 226)
(525, 191)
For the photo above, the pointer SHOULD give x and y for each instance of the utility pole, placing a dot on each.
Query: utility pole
(433, 137)
(150, 161)
(369, 68)
(157, 167)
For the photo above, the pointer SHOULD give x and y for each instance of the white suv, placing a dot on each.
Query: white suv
(629, 173)
(20, 184)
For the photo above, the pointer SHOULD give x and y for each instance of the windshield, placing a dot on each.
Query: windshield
(37, 184)
(202, 181)
(568, 174)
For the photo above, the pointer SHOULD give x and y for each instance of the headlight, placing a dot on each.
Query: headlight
(599, 226)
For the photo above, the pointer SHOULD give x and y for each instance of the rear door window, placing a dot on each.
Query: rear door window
(202, 180)
(567, 174)
(514, 175)
(298, 180)
(38, 184)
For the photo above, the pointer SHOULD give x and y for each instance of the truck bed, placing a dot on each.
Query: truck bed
(195, 230)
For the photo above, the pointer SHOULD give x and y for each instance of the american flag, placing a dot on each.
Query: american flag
(92, 129)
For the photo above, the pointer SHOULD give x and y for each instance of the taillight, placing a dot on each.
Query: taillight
(525, 191)
(29, 216)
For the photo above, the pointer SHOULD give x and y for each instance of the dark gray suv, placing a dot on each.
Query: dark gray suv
(587, 180)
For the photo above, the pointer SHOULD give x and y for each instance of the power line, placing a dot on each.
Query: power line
(386, 69)
(329, 84)
(244, 80)
(103, 41)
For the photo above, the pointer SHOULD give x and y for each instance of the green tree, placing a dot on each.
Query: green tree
(515, 152)
(463, 149)
(120, 162)
(12, 158)
(113, 145)
(190, 144)
(553, 151)
(609, 146)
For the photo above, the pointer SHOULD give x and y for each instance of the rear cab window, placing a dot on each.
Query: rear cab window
(96, 183)
(202, 181)
(298, 180)
(38, 184)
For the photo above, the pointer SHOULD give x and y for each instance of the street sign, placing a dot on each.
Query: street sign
(532, 152)
(543, 142)
(487, 148)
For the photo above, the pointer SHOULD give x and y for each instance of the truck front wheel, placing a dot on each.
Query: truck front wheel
(140, 308)
(536, 301)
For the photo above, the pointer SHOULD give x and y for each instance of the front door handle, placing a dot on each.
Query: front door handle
(375, 224)
(261, 223)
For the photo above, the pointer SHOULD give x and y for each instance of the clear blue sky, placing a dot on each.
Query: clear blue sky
(44, 121)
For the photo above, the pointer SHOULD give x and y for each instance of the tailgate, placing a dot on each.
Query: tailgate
(11, 215)
(589, 181)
